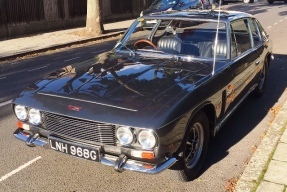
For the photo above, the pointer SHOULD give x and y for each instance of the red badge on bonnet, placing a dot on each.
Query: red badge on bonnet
(74, 108)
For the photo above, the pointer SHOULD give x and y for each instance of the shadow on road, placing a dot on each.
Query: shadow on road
(250, 113)
(256, 9)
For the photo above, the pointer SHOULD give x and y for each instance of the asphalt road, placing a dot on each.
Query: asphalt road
(35, 169)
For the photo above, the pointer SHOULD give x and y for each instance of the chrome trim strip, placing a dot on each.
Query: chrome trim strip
(134, 166)
(218, 126)
(40, 141)
(106, 159)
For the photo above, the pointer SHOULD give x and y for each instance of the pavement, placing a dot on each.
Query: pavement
(18, 47)
(267, 169)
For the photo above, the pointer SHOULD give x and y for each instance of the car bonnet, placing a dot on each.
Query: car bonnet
(122, 82)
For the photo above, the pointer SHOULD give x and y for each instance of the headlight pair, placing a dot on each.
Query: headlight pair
(23, 113)
(146, 138)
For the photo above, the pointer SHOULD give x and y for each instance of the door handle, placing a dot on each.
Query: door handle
(257, 62)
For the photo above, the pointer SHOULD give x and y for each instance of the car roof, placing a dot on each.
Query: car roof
(198, 14)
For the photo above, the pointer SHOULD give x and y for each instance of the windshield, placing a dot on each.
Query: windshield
(180, 38)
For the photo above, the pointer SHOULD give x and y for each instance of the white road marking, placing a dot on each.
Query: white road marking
(99, 51)
(275, 23)
(280, 20)
(5, 103)
(37, 68)
(269, 27)
(71, 59)
(2, 78)
(19, 168)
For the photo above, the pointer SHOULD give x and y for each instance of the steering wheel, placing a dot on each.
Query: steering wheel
(145, 41)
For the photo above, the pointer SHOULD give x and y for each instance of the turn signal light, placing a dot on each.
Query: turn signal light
(23, 125)
(148, 166)
(143, 154)
(147, 155)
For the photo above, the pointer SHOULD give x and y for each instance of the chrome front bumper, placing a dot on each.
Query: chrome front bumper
(129, 164)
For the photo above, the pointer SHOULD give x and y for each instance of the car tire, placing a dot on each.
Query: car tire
(285, 1)
(194, 148)
(259, 90)
(251, 1)
(270, 1)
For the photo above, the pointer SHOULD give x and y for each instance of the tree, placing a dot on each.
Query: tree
(94, 22)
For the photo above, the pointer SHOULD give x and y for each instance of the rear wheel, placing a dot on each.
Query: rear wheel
(285, 1)
(259, 90)
(270, 1)
(194, 148)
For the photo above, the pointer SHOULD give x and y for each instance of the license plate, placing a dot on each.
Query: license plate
(76, 150)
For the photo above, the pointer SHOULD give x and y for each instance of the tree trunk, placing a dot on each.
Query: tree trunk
(94, 22)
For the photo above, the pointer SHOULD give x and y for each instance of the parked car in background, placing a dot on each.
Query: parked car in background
(156, 99)
(272, 1)
(163, 5)
(225, 2)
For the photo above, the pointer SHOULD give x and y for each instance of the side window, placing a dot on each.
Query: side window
(233, 44)
(241, 35)
(263, 33)
(255, 33)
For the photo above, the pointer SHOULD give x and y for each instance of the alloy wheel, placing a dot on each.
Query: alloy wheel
(194, 145)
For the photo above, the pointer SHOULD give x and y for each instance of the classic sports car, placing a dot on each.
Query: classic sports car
(155, 100)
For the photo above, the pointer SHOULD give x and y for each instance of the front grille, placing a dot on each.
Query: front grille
(77, 129)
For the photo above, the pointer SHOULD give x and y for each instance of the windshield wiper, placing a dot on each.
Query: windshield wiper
(151, 50)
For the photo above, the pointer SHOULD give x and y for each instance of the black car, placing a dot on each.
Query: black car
(272, 1)
(163, 5)
(156, 99)
(225, 2)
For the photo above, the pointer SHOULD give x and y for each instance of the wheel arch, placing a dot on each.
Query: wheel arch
(268, 59)
(209, 110)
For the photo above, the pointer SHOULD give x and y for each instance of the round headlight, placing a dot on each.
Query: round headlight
(35, 116)
(125, 135)
(147, 139)
(20, 112)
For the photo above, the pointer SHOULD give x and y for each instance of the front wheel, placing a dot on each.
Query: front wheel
(194, 148)
(270, 1)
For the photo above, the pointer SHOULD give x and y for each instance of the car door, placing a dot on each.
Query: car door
(244, 57)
